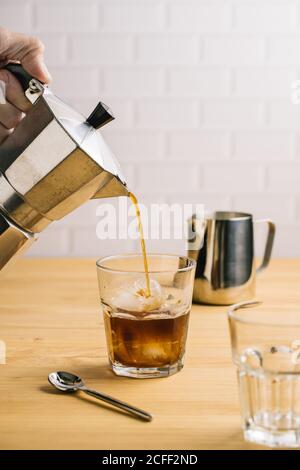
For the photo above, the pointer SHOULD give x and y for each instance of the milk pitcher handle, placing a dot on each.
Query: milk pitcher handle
(269, 243)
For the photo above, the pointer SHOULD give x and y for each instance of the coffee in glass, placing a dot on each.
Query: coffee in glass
(146, 335)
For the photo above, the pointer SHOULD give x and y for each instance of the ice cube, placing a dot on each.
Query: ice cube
(133, 298)
(153, 352)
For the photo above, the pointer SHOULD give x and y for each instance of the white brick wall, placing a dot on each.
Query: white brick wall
(167, 48)
(233, 114)
(133, 17)
(100, 49)
(129, 81)
(201, 92)
(263, 82)
(263, 145)
(233, 49)
(65, 16)
(199, 82)
(199, 17)
(167, 114)
(17, 15)
(265, 16)
(233, 177)
(283, 49)
(167, 176)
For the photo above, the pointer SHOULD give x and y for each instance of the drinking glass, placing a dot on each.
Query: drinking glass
(146, 336)
(266, 352)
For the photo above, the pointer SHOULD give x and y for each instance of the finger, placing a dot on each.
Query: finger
(14, 93)
(26, 49)
(10, 116)
(34, 64)
(3, 133)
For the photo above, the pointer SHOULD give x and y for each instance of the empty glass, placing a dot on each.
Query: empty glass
(266, 351)
(146, 334)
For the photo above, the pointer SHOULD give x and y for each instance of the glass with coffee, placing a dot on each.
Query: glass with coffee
(146, 331)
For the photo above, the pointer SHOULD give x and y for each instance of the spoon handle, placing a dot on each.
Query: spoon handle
(119, 404)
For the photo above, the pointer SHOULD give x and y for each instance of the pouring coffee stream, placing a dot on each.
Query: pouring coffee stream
(143, 244)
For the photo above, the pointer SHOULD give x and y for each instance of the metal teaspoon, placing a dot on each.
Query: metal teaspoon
(67, 382)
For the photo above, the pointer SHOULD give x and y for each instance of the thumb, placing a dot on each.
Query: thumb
(26, 49)
(34, 64)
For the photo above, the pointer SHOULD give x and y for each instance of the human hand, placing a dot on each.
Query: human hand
(29, 51)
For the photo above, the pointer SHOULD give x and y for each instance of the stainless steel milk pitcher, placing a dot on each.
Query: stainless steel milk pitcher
(224, 251)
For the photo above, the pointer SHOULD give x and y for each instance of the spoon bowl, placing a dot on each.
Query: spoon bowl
(67, 382)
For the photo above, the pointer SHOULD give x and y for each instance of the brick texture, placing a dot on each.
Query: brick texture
(201, 91)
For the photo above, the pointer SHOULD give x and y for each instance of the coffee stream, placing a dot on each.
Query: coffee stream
(143, 245)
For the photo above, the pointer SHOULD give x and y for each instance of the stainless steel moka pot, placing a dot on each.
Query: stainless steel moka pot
(223, 246)
(54, 161)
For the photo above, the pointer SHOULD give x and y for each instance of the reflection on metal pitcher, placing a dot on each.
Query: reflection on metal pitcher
(226, 269)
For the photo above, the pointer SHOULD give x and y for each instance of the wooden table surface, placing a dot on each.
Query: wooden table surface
(50, 320)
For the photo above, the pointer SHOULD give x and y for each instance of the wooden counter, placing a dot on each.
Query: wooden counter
(50, 320)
